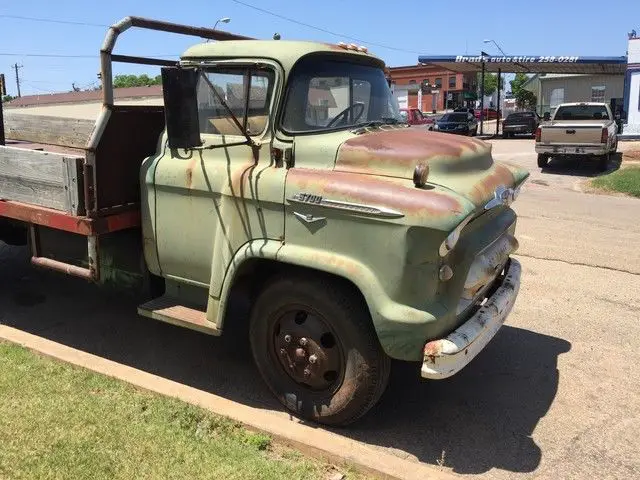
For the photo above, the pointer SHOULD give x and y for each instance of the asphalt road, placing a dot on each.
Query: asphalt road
(555, 394)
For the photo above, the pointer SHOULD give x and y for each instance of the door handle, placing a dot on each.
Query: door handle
(571, 132)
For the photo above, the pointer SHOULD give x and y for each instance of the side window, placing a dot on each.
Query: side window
(438, 82)
(452, 82)
(597, 93)
(232, 85)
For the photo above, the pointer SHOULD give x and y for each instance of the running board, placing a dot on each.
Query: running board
(170, 310)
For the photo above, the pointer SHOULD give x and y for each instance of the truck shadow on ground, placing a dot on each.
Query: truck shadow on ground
(481, 419)
(581, 167)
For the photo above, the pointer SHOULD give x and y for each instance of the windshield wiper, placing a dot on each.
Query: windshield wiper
(379, 122)
(228, 109)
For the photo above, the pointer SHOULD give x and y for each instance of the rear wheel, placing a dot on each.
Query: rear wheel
(603, 162)
(505, 135)
(543, 160)
(315, 347)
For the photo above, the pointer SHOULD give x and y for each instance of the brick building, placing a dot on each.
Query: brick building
(456, 89)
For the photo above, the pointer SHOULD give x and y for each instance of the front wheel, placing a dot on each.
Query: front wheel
(316, 349)
(543, 160)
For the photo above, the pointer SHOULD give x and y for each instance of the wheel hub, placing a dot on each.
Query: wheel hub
(307, 349)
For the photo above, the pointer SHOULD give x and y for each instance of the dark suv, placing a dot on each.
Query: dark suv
(520, 123)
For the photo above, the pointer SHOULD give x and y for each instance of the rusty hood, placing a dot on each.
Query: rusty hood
(461, 164)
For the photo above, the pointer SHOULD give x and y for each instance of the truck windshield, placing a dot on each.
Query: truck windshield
(328, 95)
(582, 112)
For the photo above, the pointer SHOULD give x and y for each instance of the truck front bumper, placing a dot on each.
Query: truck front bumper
(446, 357)
(599, 149)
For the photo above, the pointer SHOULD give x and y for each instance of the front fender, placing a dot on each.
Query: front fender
(401, 330)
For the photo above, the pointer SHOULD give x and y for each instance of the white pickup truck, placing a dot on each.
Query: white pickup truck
(578, 129)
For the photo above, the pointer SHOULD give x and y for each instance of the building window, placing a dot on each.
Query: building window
(412, 82)
(597, 93)
(438, 83)
(452, 82)
(557, 97)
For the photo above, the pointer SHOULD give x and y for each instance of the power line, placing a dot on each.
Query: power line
(340, 35)
(56, 55)
(49, 20)
(38, 88)
(45, 55)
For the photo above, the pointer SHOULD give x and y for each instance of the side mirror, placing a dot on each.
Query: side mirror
(179, 88)
(546, 117)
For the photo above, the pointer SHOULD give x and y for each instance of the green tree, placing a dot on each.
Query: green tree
(124, 81)
(7, 98)
(490, 83)
(524, 98)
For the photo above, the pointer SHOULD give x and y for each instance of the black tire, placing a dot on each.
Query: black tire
(543, 160)
(505, 135)
(603, 162)
(351, 370)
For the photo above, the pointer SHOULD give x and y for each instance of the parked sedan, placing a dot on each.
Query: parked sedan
(519, 123)
(458, 123)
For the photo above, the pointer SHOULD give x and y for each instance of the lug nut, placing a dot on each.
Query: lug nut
(287, 338)
(313, 359)
(303, 341)
(283, 352)
(307, 372)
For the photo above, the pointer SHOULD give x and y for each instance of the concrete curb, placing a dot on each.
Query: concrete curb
(310, 440)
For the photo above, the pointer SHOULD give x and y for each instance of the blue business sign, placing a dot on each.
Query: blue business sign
(521, 59)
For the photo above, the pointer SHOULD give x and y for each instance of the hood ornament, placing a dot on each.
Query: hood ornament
(502, 196)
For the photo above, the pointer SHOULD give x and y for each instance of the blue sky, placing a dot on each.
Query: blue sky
(542, 27)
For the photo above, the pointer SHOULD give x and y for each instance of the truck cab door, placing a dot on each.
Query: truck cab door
(211, 199)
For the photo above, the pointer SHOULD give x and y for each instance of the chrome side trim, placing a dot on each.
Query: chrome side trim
(319, 201)
(308, 218)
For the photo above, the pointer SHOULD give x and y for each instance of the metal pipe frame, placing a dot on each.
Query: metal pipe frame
(106, 57)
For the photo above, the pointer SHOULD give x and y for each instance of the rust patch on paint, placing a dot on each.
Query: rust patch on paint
(484, 190)
(189, 174)
(396, 152)
(432, 350)
(374, 191)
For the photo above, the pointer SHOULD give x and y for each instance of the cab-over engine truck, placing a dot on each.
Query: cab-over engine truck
(283, 166)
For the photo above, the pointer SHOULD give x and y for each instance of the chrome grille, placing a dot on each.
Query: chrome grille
(485, 268)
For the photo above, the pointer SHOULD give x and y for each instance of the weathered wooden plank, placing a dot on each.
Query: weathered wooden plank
(39, 178)
(66, 132)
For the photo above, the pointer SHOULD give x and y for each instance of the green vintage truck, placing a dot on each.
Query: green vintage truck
(281, 169)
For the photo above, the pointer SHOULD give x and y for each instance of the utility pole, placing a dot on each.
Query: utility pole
(484, 55)
(3, 92)
(16, 67)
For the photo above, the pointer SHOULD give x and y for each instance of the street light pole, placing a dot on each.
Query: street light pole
(499, 75)
(221, 20)
(497, 46)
